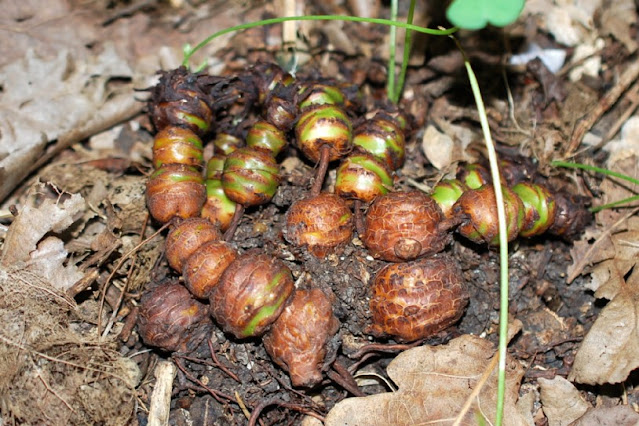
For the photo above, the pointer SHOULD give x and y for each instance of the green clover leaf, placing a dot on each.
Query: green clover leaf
(476, 14)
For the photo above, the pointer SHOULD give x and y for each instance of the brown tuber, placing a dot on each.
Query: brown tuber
(299, 340)
(414, 300)
(186, 238)
(320, 223)
(403, 226)
(204, 268)
(478, 210)
(251, 294)
(172, 320)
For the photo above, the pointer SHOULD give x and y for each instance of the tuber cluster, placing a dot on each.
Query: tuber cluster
(252, 294)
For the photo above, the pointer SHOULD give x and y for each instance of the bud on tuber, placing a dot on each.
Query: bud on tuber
(251, 294)
(180, 100)
(323, 125)
(414, 300)
(362, 177)
(250, 177)
(539, 208)
(474, 175)
(446, 193)
(383, 138)
(176, 145)
(298, 340)
(266, 137)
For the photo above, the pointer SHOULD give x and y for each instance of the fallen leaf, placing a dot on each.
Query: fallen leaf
(620, 415)
(434, 383)
(34, 221)
(61, 99)
(561, 401)
(50, 261)
(608, 353)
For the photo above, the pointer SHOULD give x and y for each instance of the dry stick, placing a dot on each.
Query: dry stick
(220, 365)
(585, 260)
(235, 221)
(46, 385)
(118, 266)
(219, 396)
(347, 379)
(478, 387)
(325, 151)
(116, 308)
(604, 104)
(633, 95)
(160, 407)
(359, 218)
(274, 401)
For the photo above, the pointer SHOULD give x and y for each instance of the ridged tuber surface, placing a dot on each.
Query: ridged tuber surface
(320, 223)
(172, 320)
(414, 300)
(478, 210)
(186, 238)
(298, 341)
(251, 294)
(204, 268)
(175, 190)
(402, 226)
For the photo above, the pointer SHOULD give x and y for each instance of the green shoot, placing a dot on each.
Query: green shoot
(248, 25)
(476, 14)
(392, 41)
(503, 240)
(408, 41)
(606, 172)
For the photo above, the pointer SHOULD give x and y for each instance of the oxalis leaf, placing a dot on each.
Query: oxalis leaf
(476, 14)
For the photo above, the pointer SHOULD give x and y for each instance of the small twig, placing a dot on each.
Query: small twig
(117, 267)
(235, 222)
(242, 405)
(160, 407)
(46, 385)
(340, 375)
(605, 103)
(325, 151)
(478, 387)
(220, 365)
(378, 347)
(219, 396)
(274, 401)
(129, 323)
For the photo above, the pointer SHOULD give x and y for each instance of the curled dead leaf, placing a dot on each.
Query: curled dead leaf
(434, 383)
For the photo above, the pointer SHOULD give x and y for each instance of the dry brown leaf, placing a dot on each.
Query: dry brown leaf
(561, 401)
(36, 220)
(609, 350)
(617, 19)
(620, 415)
(434, 382)
(59, 99)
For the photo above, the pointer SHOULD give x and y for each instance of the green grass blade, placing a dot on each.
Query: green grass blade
(255, 24)
(408, 42)
(392, 41)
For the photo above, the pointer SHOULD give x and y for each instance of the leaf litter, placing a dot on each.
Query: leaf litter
(57, 352)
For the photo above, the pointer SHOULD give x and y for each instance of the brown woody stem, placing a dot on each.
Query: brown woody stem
(237, 216)
(321, 171)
